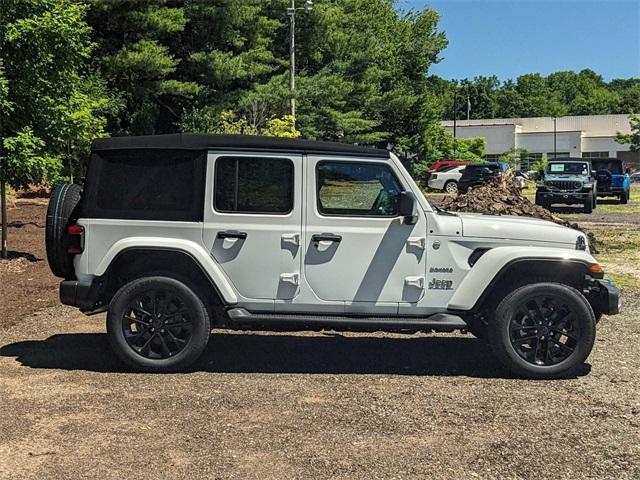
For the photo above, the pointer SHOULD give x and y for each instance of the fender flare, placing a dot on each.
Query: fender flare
(491, 266)
(199, 255)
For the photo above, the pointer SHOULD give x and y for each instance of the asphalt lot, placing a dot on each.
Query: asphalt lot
(311, 405)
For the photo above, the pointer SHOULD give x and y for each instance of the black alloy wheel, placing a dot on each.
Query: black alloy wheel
(158, 324)
(543, 330)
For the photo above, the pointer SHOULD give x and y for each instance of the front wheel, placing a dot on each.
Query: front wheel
(157, 324)
(543, 330)
(588, 204)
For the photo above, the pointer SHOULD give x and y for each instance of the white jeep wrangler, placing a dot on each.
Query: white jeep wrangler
(174, 235)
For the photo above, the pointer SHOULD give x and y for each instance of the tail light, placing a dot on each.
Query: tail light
(75, 239)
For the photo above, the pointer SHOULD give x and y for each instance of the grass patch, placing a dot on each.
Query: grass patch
(619, 252)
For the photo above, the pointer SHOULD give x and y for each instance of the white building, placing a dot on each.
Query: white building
(589, 136)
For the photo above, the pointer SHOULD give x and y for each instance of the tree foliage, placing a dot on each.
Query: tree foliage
(533, 95)
(632, 138)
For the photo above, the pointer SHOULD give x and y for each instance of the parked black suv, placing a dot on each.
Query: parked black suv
(478, 173)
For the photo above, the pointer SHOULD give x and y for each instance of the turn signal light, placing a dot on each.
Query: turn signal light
(596, 268)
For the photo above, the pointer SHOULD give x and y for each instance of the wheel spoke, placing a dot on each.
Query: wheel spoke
(176, 339)
(145, 347)
(138, 320)
(178, 324)
(524, 339)
(163, 345)
(562, 345)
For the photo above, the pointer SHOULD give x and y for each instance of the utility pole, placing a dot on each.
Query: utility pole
(555, 152)
(455, 118)
(291, 11)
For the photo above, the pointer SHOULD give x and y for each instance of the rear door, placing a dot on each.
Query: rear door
(253, 221)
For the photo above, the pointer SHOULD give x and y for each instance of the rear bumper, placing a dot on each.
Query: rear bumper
(612, 192)
(83, 294)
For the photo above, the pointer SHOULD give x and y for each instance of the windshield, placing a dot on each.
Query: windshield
(569, 168)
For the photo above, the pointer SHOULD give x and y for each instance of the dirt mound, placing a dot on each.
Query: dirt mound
(502, 196)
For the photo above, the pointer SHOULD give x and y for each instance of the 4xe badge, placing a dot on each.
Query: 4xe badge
(438, 284)
(441, 270)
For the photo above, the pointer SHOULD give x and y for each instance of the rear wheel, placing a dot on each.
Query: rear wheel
(157, 324)
(624, 197)
(451, 187)
(543, 330)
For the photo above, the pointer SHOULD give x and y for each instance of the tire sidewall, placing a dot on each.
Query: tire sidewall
(501, 343)
(199, 334)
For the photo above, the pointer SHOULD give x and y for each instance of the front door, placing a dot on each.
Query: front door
(253, 222)
(359, 250)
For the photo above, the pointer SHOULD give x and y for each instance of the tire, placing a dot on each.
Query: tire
(624, 197)
(588, 205)
(451, 187)
(62, 210)
(595, 201)
(157, 324)
(512, 324)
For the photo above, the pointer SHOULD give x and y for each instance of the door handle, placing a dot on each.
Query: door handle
(326, 237)
(291, 278)
(293, 238)
(417, 282)
(232, 234)
(416, 242)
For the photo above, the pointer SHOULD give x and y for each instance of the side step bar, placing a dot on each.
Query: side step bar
(443, 322)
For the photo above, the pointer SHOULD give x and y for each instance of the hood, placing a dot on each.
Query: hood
(573, 178)
(516, 228)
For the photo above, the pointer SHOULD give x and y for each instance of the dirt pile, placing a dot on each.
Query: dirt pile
(502, 196)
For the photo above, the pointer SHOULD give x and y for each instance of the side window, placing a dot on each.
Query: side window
(356, 189)
(253, 185)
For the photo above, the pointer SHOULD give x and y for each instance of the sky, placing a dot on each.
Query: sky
(508, 38)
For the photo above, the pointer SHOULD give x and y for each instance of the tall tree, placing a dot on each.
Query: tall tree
(44, 47)
(136, 41)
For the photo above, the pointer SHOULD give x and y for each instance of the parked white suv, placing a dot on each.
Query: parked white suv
(447, 180)
(176, 234)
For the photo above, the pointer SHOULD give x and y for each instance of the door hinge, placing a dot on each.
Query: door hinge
(417, 282)
(293, 238)
(291, 278)
(417, 242)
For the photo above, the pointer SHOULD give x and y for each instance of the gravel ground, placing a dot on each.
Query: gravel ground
(309, 405)
(269, 405)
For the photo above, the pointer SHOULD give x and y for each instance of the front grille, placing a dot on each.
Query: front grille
(564, 185)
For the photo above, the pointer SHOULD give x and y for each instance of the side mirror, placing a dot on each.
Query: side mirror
(406, 207)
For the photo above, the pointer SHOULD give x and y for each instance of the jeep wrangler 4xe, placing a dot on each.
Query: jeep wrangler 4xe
(568, 182)
(175, 235)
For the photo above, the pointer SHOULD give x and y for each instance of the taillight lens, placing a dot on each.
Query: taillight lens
(75, 239)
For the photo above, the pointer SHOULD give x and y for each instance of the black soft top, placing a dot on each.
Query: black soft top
(197, 141)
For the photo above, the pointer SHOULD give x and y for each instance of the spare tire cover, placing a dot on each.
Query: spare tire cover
(62, 210)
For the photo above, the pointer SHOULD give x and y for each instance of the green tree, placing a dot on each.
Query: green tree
(515, 157)
(136, 43)
(632, 138)
(44, 47)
